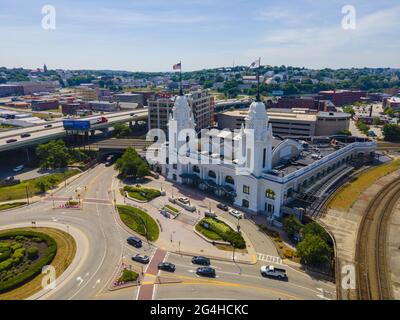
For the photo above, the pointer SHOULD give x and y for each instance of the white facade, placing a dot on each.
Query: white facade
(248, 174)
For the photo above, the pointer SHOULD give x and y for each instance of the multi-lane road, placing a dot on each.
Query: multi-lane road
(101, 242)
(40, 134)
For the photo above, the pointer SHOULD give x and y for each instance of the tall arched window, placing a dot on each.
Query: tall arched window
(229, 180)
(270, 194)
(196, 169)
(212, 174)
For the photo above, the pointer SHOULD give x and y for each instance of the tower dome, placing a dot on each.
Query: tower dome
(257, 111)
(181, 109)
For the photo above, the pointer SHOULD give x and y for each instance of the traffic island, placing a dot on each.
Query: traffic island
(30, 249)
(126, 277)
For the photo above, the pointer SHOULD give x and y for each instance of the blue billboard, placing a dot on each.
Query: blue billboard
(78, 125)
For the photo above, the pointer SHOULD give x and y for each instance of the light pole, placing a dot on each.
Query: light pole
(27, 194)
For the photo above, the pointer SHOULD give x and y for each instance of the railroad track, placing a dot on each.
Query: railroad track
(373, 281)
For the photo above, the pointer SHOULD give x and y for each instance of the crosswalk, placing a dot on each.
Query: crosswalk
(268, 258)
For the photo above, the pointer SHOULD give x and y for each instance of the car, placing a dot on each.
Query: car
(236, 214)
(222, 206)
(206, 272)
(166, 266)
(141, 258)
(134, 241)
(19, 168)
(48, 126)
(210, 214)
(272, 272)
(201, 260)
(11, 140)
(371, 134)
(25, 135)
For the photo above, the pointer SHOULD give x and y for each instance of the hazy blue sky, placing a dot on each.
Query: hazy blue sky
(152, 35)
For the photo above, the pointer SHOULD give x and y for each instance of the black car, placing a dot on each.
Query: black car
(141, 258)
(166, 266)
(11, 140)
(134, 241)
(206, 272)
(201, 261)
(48, 125)
(25, 135)
(222, 206)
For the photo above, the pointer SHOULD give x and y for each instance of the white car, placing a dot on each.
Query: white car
(236, 214)
(19, 168)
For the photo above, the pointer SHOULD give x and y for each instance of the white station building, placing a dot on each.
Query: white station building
(261, 174)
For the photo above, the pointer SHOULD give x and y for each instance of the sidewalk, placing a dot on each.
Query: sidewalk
(37, 198)
(178, 237)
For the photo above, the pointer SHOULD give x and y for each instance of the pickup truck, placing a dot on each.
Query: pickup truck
(271, 271)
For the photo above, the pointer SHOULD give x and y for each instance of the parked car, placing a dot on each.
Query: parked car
(110, 160)
(134, 241)
(206, 272)
(9, 179)
(210, 214)
(236, 214)
(166, 266)
(201, 260)
(272, 272)
(48, 125)
(141, 258)
(19, 168)
(222, 206)
(25, 135)
(11, 140)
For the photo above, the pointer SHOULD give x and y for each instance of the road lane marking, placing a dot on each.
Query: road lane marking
(268, 258)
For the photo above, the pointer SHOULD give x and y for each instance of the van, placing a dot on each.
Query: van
(134, 241)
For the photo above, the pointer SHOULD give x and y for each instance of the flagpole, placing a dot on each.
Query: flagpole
(258, 97)
(180, 79)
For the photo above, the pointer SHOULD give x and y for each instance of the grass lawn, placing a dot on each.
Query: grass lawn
(66, 249)
(219, 230)
(172, 208)
(208, 233)
(134, 218)
(142, 194)
(6, 206)
(346, 196)
(18, 191)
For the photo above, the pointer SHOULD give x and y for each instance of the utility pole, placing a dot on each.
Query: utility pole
(27, 194)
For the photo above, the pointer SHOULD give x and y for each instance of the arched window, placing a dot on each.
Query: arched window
(245, 203)
(270, 194)
(229, 180)
(212, 174)
(196, 169)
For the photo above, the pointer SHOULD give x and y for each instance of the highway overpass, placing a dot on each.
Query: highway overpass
(40, 134)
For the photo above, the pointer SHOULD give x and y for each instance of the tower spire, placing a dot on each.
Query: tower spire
(180, 79)
(258, 96)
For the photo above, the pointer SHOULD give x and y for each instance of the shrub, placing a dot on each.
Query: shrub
(5, 253)
(36, 268)
(128, 276)
(33, 252)
(18, 255)
(291, 225)
(6, 264)
(289, 253)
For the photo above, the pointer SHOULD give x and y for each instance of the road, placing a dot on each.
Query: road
(102, 246)
(39, 134)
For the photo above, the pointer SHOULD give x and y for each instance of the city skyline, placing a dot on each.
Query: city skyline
(152, 36)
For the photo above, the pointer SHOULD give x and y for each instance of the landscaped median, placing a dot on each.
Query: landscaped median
(141, 194)
(11, 205)
(23, 254)
(216, 230)
(34, 186)
(139, 221)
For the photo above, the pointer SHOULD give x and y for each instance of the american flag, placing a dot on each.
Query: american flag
(177, 66)
(256, 63)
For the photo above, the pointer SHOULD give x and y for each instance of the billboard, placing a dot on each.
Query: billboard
(76, 125)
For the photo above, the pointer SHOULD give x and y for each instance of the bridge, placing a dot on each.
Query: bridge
(39, 134)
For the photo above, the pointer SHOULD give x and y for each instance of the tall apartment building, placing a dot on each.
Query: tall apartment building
(201, 102)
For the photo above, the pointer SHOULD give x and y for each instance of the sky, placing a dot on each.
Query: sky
(152, 35)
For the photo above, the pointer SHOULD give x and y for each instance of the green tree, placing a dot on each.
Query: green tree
(43, 184)
(376, 121)
(121, 130)
(291, 225)
(314, 251)
(391, 132)
(314, 228)
(349, 109)
(131, 165)
(53, 154)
